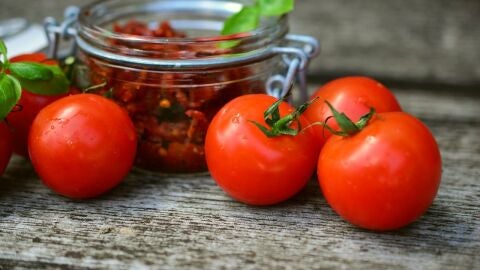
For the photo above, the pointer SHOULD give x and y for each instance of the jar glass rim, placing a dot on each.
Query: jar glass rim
(91, 12)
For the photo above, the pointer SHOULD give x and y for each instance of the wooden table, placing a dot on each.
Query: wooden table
(166, 221)
(155, 221)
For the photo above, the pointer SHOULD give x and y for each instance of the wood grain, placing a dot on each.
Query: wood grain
(156, 221)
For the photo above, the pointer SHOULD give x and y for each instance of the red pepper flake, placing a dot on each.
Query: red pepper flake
(164, 103)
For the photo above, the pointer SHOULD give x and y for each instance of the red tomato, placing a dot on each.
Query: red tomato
(20, 120)
(385, 176)
(82, 145)
(352, 95)
(250, 166)
(29, 57)
(5, 146)
(28, 107)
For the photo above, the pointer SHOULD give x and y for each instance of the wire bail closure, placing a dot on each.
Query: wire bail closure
(297, 60)
(65, 30)
(297, 56)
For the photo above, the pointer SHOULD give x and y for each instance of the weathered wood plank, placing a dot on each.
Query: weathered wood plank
(154, 221)
(412, 40)
(419, 40)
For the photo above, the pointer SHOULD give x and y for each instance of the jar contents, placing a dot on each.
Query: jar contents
(171, 110)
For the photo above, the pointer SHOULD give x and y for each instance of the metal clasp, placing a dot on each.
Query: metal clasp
(56, 31)
(297, 57)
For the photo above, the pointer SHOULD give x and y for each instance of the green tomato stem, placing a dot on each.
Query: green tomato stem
(282, 125)
(346, 125)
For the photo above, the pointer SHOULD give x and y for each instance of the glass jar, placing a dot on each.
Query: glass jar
(166, 64)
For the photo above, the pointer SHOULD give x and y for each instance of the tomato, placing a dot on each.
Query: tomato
(21, 119)
(29, 57)
(352, 95)
(248, 165)
(5, 146)
(82, 145)
(28, 107)
(383, 177)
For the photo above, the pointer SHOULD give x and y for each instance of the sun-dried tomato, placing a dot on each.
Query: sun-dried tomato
(171, 110)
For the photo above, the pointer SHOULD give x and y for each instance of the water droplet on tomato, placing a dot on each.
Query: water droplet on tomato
(236, 118)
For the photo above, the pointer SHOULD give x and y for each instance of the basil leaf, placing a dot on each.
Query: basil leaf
(31, 71)
(3, 52)
(275, 7)
(3, 47)
(246, 20)
(228, 44)
(10, 92)
(58, 84)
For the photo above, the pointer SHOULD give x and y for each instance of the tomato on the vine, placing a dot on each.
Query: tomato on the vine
(5, 146)
(82, 145)
(353, 96)
(28, 107)
(384, 176)
(252, 167)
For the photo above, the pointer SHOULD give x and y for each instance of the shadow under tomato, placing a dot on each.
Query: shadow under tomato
(309, 194)
(17, 177)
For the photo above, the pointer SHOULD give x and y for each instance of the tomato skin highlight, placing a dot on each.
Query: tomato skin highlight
(384, 177)
(248, 165)
(5, 146)
(82, 145)
(354, 96)
(29, 57)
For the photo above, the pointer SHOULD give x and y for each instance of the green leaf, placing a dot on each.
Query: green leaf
(31, 71)
(275, 7)
(246, 20)
(58, 84)
(3, 47)
(228, 44)
(10, 92)
(3, 52)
